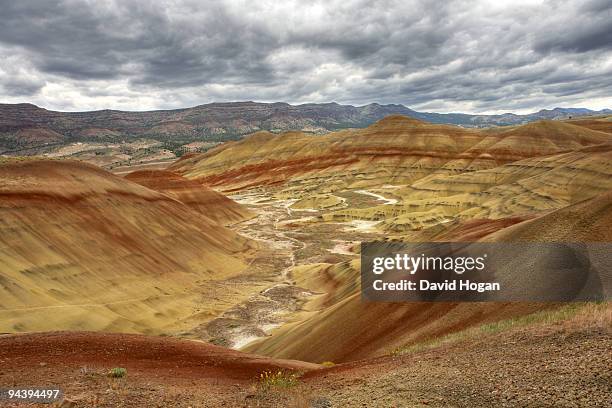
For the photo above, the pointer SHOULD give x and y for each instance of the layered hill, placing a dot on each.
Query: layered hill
(200, 198)
(394, 151)
(83, 249)
(437, 174)
(521, 188)
(586, 221)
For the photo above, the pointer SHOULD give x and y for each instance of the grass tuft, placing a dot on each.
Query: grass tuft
(117, 372)
(277, 379)
(590, 313)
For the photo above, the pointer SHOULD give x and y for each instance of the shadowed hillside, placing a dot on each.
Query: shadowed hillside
(200, 198)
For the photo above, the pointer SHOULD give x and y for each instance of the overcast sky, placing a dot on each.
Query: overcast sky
(444, 56)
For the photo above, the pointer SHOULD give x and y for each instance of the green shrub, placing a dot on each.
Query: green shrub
(117, 372)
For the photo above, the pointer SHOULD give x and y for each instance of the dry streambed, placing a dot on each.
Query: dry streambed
(288, 237)
(268, 309)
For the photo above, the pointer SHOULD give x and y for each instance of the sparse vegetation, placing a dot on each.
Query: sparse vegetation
(277, 379)
(593, 313)
(117, 372)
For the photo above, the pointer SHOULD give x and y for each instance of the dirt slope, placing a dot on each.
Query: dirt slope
(560, 364)
(191, 193)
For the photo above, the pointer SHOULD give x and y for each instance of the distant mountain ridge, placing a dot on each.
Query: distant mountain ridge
(27, 126)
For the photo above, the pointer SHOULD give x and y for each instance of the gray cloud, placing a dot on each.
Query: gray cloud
(458, 55)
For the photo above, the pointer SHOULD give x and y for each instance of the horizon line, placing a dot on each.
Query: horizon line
(309, 103)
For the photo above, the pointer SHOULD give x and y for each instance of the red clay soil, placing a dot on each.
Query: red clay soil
(277, 170)
(561, 364)
(161, 371)
(144, 355)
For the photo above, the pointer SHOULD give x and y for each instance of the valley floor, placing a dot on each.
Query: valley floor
(287, 238)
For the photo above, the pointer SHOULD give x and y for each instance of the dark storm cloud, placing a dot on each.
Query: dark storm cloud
(456, 55)
(20, 87)
(591, 29)
(100, 40)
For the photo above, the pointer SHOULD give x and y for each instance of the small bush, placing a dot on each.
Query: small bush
(280, 379)
(328, 364)
(117, 372)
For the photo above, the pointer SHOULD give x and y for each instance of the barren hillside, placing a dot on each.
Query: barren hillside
(83, 249)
